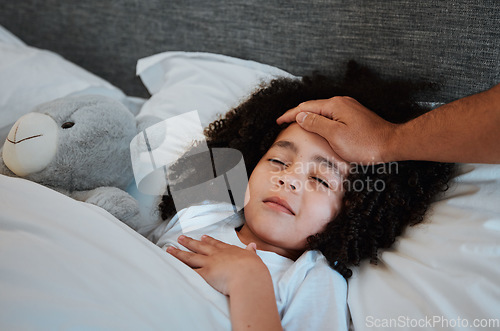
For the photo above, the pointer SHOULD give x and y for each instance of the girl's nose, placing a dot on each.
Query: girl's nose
(287, 183)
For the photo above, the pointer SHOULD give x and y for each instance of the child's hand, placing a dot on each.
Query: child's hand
(238, 273)
(223, 266)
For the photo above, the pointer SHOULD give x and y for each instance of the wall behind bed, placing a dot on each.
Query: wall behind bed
(454, 43)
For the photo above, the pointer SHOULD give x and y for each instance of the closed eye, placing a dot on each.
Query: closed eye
(321, 181)
(277, 162)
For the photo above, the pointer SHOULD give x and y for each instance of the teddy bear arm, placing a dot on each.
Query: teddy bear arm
(114, 200)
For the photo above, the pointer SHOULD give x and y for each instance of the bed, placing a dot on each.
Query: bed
(71, 265)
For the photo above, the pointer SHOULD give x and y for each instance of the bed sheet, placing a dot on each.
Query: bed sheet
(443, 274)
(66, 264)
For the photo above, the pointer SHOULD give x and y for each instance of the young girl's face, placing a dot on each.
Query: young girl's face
(293, 192)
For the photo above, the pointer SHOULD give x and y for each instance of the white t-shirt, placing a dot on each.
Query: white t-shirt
(310, 295)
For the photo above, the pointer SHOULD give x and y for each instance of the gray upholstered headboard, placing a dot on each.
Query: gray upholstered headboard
(455, 43)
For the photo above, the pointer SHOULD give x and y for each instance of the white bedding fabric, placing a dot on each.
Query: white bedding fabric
(70, 265)
(443, 274)
(212, 84)
(30, 76)
(66, 264)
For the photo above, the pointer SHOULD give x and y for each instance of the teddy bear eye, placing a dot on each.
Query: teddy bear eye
(67, 125)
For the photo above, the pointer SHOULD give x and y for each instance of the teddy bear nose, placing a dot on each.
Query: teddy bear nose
(31, 144)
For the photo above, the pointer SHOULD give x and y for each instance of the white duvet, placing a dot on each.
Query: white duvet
(65, 264)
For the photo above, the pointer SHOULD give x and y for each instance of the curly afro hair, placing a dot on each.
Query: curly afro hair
(370, 219)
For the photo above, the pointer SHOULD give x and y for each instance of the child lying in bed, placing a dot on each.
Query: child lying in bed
(306, 209)
(292, 193)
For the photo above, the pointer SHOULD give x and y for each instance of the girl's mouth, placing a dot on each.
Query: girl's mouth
(279, 204)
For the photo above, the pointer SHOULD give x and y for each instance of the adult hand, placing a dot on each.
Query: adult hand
(354, 132)
(223, 266)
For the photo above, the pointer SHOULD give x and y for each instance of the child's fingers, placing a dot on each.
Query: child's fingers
(195, 245)
(212, 241)
(191, 259)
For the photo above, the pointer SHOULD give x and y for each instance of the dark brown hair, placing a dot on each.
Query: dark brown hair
(370, 219)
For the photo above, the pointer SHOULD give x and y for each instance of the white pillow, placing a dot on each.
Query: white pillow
(212, 84)
(8, 38)
(443, 273)
(30, 76)
(183, 82)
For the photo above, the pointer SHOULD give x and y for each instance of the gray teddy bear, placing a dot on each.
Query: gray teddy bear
(78, 146)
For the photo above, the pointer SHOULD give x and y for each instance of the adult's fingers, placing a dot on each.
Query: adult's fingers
(289, 116)
(315, 106)
(319, 124)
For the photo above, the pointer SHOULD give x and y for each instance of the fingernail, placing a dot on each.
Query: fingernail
(181, 237)
(301, 117)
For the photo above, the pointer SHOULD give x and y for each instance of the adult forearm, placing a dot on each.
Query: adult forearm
(466, 130)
